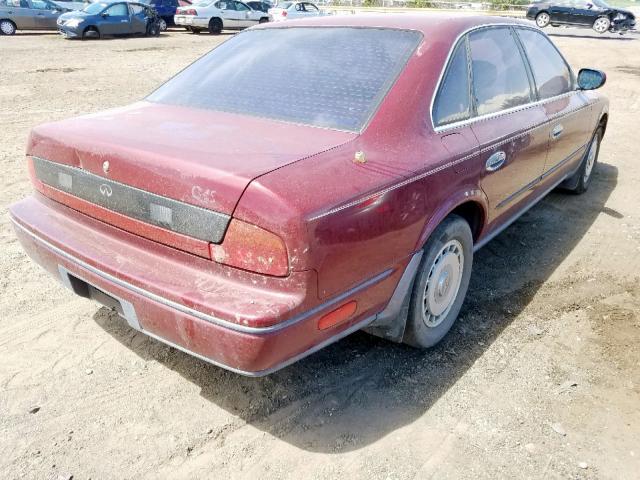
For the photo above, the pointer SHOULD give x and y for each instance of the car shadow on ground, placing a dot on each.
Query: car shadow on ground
(362, 388)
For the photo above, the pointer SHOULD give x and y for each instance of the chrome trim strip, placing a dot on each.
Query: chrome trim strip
(195, 313)
(444, 166)
(518, 214)
(563, 162)
(541, 177)
(173, 215)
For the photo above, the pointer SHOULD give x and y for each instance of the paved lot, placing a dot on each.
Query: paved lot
(539, 379)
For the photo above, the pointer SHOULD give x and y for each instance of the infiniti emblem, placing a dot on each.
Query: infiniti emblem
(106, 190)
(105, 166)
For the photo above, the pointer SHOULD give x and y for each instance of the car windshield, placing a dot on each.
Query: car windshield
(202, 3)
(333, 77)
(94, 8)
(284, 5)
(600, 3)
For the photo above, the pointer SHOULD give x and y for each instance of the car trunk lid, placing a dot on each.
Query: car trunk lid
(197, 157)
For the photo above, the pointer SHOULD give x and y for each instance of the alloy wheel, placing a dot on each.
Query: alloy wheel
(542, 20)
(7, 28)
(601, 25)
(441, 290)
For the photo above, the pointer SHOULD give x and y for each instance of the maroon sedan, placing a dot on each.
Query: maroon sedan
(250, 230)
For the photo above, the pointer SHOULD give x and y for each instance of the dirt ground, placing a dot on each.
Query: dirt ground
(540, 378)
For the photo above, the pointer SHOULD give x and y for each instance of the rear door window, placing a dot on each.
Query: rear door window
(550, 71)
(500, 79)
(453, 102)
(332, 77)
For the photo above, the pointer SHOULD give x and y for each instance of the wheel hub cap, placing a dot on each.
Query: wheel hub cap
(443, 283)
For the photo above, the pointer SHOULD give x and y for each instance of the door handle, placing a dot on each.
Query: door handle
(495, 161)
(557, 131)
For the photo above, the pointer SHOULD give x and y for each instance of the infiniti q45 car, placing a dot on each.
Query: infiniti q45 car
(396, 147)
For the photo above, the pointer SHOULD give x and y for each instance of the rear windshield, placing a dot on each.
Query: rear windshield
(332, 77)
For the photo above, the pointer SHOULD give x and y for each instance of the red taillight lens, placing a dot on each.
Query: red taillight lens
(284, 13)
(191, 11)
(252, 248)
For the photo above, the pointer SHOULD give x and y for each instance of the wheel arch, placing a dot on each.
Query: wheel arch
(602, 123)
(470, 204)
(91, 27)
(10, 21)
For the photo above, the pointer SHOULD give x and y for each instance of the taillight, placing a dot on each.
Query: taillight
(284, 13)
(252, 248)
(191, 11)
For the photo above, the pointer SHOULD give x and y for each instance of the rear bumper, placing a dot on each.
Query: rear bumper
(191, 21)
(179, 299)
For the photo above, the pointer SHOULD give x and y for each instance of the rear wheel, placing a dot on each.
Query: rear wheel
(441, 283)
(263, 20)
(7, 27)
(215, 26)
(602, 24)
(542, 19)
(90, 33)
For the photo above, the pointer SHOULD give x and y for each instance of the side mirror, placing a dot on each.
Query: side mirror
(589, 79)
(104, 14)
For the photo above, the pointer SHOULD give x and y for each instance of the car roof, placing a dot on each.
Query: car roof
(430, 24)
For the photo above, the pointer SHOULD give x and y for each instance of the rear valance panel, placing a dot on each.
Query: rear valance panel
(147, 207)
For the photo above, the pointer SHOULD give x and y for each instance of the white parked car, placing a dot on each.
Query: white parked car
(215, 16)
(292, 10)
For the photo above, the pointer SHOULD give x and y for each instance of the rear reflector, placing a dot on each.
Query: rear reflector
(337, 316)
(252, 248)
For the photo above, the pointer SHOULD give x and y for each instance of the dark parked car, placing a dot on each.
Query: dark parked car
(595, 14)
(261, 6)
(354, 204)
(166, 10)
(30, 15)
(110, 19)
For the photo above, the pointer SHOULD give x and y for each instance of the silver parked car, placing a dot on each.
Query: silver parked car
(31, 15)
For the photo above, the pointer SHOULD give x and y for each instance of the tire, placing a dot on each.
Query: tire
(91, 33)
(543, 19)
(215, 26)
(153, 29)
(7, 27)
(580, 181)
(195, 30)
(441, 283)
(264, 20)
(188, 29)
(162, 25)
(602, 25)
